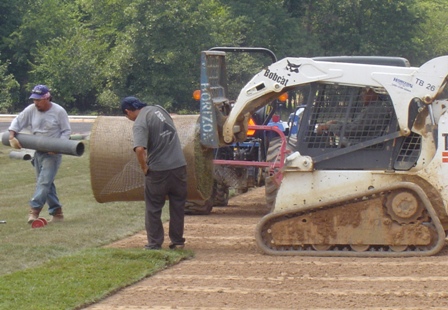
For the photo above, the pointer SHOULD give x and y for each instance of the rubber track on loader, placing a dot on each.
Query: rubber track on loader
(359, 226)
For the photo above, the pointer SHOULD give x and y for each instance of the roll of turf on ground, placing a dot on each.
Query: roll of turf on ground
(114, 170)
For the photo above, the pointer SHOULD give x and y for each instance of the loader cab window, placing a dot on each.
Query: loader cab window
(345, 116)
(347, 120)
(294, 109)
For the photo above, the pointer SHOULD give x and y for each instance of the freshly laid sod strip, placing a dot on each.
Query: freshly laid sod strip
(88, 224)
(65, 265)
(77, 280)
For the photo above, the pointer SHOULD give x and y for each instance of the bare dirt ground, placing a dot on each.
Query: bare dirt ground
(229, 272)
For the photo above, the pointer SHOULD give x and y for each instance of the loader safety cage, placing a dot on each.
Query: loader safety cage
(368, 131)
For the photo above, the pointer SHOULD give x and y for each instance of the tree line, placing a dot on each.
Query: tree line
(94, 52)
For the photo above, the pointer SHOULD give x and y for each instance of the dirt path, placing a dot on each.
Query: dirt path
(229, 272)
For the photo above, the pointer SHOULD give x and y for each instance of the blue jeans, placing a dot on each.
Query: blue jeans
(46, 166)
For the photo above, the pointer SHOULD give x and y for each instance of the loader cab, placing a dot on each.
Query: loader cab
(360, 126)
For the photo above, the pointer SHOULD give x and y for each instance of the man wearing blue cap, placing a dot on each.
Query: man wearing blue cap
(45, 118)
(159, 153)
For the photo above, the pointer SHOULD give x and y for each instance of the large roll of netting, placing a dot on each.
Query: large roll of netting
(114, 169)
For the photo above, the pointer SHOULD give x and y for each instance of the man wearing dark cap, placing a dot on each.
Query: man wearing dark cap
(159, 153)
(49, 119)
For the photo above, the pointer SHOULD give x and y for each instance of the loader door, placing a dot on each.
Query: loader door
(361, 134)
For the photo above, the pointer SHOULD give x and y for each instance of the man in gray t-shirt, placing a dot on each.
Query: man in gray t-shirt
(159, 153)
(49, 119)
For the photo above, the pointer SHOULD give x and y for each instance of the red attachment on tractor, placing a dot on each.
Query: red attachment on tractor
(275, 167)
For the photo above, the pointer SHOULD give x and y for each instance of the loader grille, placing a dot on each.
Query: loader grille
(409, 152)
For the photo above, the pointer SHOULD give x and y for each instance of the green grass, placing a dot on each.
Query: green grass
(54, 262)
(77, 280)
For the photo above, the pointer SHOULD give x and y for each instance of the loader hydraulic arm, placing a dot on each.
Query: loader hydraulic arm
(403, 84)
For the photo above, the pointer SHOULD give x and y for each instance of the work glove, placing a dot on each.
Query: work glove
(15, 143)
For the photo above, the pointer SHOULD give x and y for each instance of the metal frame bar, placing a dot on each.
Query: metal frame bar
(277, 164)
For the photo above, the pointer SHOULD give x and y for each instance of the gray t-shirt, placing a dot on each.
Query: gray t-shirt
(52, 123)
(154, 130)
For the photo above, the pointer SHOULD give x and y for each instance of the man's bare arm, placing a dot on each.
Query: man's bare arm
(140, 152)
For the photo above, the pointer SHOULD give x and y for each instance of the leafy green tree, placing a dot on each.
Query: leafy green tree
(263, 23)
(156, 57)
(362, 27)
(94, 52)
(266, 23)
(8, 89)
(41, 21)
(434, 32)
(10, 19)
(71, 66)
